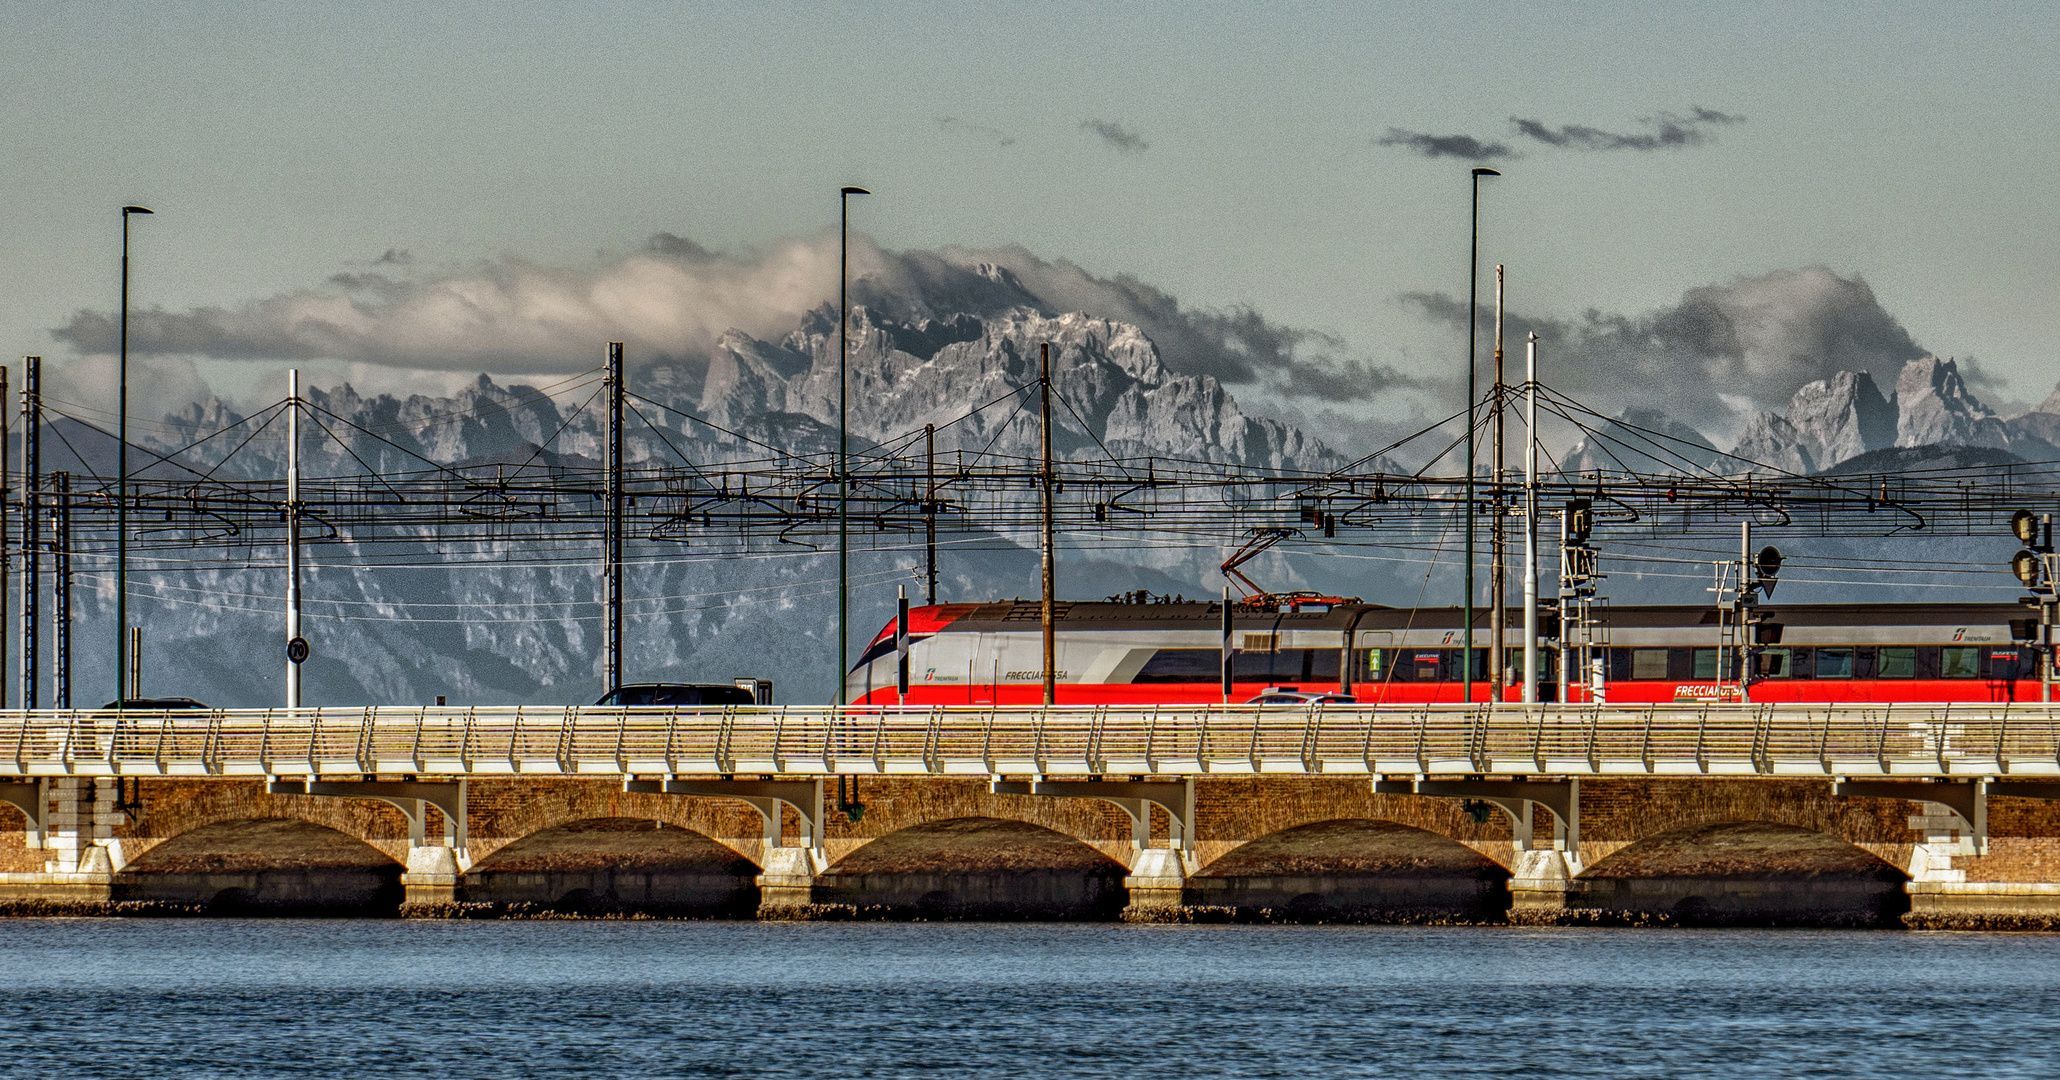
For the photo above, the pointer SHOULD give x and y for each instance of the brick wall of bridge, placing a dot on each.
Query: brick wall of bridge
(2024, 843)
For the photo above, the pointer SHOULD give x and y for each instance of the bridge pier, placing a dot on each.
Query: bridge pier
(1157, 884)
(786, 885)
(1543, 875)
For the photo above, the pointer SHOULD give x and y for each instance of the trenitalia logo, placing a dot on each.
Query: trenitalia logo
(1960, 634)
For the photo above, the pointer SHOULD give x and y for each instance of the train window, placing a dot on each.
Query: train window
(1705, 664)
(1959, 662)
(1896, 662)
(1835, 663)
(1427, 664)
(1648, 663)
(1182, 666)
(1772, 664)
(2002, 664)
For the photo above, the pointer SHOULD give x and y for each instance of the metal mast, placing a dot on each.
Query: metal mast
(612, 529)
(121, 500)
(293, 653)
(1045, 476)
(930, 512)
(31, 526)
(1498, 568)
(61, 619)
(6, 551)
(1473, 285)
(843, 438)
(1530, 694)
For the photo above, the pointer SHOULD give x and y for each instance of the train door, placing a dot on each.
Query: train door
(1368, 668)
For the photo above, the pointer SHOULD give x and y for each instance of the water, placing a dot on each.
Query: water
(256, 998)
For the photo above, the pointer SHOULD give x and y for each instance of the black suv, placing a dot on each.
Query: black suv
(677, 694)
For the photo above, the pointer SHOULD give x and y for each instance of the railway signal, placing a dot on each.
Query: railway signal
(2033, 567)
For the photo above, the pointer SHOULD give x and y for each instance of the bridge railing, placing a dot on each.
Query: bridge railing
(1681, 740)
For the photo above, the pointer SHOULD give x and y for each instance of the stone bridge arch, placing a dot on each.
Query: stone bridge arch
(163, 812)
(610, 865)
(1352, 870)
(1617, 814)
(1742, 872)
(259, 866)
(504, 812)
(976, 867)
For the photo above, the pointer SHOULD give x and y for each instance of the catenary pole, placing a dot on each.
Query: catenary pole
(1473, 283)
(1530, 695)
(844, 436)
(121, 499)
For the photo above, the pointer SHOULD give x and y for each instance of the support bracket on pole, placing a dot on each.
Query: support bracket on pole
(1176, 797)
(764, 796)
(407, 796)
(1514, 797)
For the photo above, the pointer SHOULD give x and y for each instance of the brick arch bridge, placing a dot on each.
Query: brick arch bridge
(1312, 837)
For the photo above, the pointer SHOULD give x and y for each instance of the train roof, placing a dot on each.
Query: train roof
(1019, 615)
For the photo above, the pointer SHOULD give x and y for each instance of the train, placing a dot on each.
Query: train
(1122, 652)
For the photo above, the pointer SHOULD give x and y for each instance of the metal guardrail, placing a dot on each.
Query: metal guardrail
(1664, 740)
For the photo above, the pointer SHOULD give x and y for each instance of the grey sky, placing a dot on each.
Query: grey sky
(1910, 146)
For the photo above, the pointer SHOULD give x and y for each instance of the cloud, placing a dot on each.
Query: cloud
(952, 124)
(674, 299)
(1720, 352)
(1116, 135)
(1667, 131)
(1435, 146)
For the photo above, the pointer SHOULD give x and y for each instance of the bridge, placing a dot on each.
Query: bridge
(1927, 815)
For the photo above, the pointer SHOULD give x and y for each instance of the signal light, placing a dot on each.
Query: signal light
(1769, 566)
(2024, 525)
(2024, 629)
(2025, 564)
(1766, 633)
(1580, 520)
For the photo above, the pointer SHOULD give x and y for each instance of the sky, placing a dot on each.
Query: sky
(1293, 160)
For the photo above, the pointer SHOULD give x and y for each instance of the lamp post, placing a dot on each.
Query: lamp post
(843, 437)
(121, 502)
(1473, 279)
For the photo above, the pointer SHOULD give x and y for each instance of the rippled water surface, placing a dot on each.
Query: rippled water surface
(121, 998)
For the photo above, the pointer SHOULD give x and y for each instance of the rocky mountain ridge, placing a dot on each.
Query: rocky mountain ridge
(1839, 419)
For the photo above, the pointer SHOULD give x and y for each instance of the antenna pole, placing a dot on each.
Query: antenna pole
(930, 512)
(612, 529)
(1050, 575)
(31, 522)
(6, 552)
(1498, 572)
(1566, 655)
(61, 620)
(1530, 695)
(292, 537)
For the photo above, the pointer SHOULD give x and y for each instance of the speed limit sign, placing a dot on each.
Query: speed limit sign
(297, 649)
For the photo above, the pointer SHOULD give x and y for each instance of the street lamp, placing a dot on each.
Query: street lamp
(1473, 278)
(843, 437)
(121, 503)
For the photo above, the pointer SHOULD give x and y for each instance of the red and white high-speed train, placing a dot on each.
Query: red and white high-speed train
(1151, 653)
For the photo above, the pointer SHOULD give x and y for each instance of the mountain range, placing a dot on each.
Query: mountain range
(1928, 415)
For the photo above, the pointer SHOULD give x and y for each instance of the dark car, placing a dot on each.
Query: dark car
(154, 704)
(677, 694)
